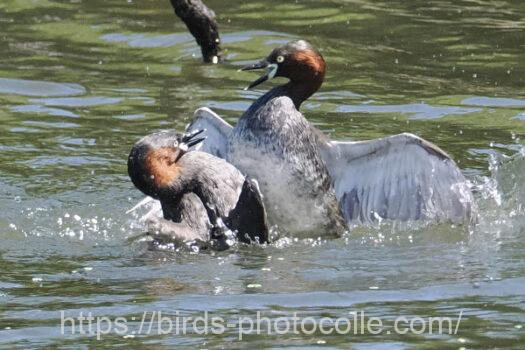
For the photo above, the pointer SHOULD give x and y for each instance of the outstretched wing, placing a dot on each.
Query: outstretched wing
(401, 177)
(217, 131)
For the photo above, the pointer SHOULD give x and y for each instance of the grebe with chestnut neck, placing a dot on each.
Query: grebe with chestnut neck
(275, 144)
(202, 197)
(310, 182)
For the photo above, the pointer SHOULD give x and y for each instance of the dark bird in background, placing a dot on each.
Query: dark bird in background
(202, 196)
(201, 23)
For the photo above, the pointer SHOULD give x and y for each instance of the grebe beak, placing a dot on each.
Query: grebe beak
(189, 140)
(189, 136)
(270, 73)
(257, 65)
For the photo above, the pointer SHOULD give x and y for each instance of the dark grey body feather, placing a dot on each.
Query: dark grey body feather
(281, 135)
(185, 220)
(216, 182)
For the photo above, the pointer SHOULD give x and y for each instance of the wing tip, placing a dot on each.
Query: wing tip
(209, 116)
(427, 145)
(204, 112)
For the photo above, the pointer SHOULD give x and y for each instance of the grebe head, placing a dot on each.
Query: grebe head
(297, 61)
(153, 164)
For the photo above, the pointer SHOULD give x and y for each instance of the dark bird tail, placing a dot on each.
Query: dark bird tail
(201, 23)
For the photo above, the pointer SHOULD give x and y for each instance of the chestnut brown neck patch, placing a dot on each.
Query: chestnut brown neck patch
(161, 166)
(311, 61)
(306, 73)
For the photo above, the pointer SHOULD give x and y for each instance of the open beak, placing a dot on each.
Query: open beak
(189, 139)
(270, 72)
(257, 65)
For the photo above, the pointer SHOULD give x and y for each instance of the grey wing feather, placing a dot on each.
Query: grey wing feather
(401, 177)
(217, 131)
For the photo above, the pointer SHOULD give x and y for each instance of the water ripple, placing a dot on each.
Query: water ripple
(417, 110)
(78, 101)
(38, 109)
(493, 102)
(39, 88)
(144, 41)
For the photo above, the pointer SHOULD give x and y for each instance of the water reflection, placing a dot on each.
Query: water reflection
(416, 111)
(39, 88)
(38, 109)
(78, 101)
(493, 102)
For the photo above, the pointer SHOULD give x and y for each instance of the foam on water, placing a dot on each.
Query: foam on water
(500, 198)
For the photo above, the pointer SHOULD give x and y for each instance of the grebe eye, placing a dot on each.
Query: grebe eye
(280, 59)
